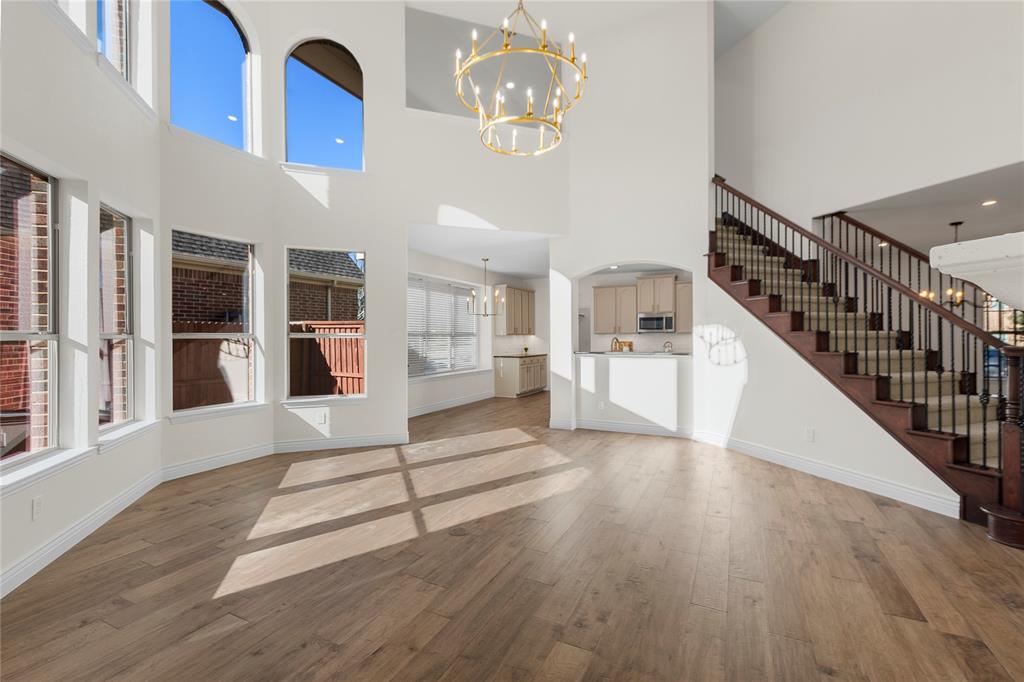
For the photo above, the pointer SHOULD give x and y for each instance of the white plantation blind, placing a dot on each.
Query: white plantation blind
(442, 331)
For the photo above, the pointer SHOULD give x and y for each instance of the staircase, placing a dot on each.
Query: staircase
(946, 388)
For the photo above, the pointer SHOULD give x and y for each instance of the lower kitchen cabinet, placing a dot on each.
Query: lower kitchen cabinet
(518, 375)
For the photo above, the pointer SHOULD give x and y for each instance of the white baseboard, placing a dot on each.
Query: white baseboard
(711, 438)
(631, 427)
(897, 491)
(197, 466)
(313, 444)
(454, 402)
(71, 536)
(563, 424)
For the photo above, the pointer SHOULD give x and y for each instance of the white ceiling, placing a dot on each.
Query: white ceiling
(517, 254)
(736, 19)
(921, 218)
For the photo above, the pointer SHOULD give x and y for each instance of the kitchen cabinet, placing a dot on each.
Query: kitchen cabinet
(684, 307)
(625, 299)
(656, 294)
(519, 375)
(515, 311)
(615, 310)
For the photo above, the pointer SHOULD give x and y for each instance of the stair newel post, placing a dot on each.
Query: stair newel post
(1006, 520)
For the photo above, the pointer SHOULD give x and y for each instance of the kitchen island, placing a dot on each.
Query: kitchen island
(649, 393)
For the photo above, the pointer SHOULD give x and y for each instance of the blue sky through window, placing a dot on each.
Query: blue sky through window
(207, 73)
(324, 121)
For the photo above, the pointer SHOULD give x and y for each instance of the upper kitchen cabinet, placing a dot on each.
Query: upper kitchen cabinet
(656, 294)
(515, 311)
(615, 310)
(684, 307)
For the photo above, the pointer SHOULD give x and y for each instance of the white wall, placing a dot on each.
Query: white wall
(71, 116)
(432, 393)
(638, 184)
(833, 104)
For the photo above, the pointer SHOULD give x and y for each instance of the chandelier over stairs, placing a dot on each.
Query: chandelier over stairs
(519, 120)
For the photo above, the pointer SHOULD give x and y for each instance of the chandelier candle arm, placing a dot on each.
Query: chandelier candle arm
(523, 40)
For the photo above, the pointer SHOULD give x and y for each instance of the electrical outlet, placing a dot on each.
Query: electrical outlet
(809, 435)
(321, 417)
(37, 507)
(600, 405)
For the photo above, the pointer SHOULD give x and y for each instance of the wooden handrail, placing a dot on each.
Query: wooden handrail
(882, 236)
(877, 274)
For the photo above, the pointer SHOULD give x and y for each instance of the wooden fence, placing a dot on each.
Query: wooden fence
(327, 366)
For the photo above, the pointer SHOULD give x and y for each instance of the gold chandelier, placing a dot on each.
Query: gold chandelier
(517, 124)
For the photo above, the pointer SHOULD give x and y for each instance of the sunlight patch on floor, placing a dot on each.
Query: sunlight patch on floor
(266, 565)
(306, 507)
(440, 478)
(472, 507)
(462, 445)
(316, 470)
(299, 509)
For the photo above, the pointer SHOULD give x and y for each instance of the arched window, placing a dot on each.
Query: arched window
(324, 106)
(209, 71)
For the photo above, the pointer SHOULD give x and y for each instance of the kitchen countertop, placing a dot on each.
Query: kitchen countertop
(638, 354)
(521, 355)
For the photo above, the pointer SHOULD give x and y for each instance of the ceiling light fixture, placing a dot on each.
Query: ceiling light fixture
(471, 301)
(502, 117)
(990, 202)
(613, 267)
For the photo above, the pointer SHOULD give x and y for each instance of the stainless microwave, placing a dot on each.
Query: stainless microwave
(655, 323)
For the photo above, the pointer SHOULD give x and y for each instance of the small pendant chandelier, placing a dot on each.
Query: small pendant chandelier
(511, 121)
(485, 311)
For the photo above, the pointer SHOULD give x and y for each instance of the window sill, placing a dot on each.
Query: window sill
(125, 86)
(449, 375)
(294, 167)
(321, 401)
(214, 412)
(42, 465)
(119, 435)
(68, 25)
(213, 144)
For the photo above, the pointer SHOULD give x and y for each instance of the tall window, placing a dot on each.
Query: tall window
(442, 329)
(28, 321)
(324, 106)
(326, 322)
(115, 386)
(112, 39)
(209, 71)
(211, 320)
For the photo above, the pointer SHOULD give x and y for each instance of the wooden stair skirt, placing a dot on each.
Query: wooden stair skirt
(989, 495)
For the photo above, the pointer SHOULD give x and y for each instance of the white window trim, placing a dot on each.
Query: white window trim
(312, 400)
(422, 378)
(249, 336)
(194, 414)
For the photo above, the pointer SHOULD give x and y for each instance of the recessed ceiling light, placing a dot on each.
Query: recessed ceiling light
(232, 117)
(338, 140)
(613, 267)
(510, 85)
(990, 202)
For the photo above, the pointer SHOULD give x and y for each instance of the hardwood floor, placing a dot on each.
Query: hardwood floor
(494, 548)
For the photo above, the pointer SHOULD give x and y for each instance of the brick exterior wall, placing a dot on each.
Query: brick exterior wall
(201, 295)
(309, 301)
(24, 305)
